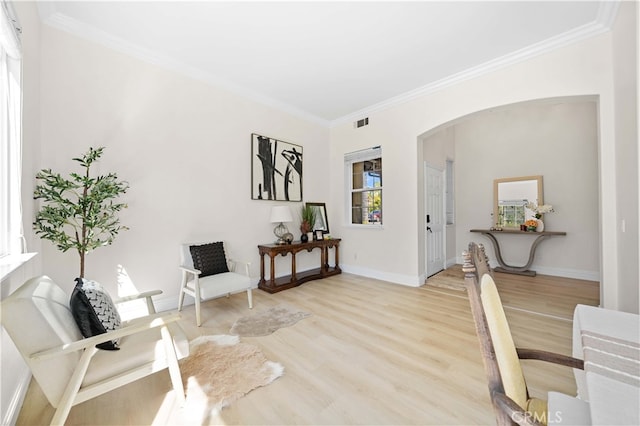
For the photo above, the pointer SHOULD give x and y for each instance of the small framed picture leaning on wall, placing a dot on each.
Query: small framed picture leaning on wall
(318, 234)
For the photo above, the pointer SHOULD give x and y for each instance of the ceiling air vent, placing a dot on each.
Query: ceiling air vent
(361, 123)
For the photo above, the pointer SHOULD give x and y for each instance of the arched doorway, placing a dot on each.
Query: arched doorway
(556, 138)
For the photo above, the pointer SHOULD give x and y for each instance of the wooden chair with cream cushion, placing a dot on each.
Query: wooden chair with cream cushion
(507, 386)
(69, 368)
(207, 273)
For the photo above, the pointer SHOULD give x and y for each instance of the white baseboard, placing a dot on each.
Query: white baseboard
(576, 274)
(12, 411)
(408, 280)
(569, 273)
(169, 303)
(161, 302)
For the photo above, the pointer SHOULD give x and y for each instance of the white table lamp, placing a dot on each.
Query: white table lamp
(280, 215)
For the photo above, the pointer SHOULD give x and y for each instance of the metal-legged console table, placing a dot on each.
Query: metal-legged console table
(509, 269)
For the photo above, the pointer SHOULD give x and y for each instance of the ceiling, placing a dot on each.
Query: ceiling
(331, 61)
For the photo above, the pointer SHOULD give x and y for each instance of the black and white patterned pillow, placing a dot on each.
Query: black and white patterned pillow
(94, 311)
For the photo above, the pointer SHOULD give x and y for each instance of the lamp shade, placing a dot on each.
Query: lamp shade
(281, 214)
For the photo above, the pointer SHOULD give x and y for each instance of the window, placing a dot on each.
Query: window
(10, 133)
(363, 171)
(449, 193)
(511, 212)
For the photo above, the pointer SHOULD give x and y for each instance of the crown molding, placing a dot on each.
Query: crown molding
(605, 18)
(64, 23)
(607, 12)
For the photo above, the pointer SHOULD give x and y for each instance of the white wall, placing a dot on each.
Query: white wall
(583, 68)
(555, 138)
(625, 55)
(184, 147)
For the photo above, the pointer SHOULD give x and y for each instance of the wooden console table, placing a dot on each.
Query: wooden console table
(509, 269)
(273, 285)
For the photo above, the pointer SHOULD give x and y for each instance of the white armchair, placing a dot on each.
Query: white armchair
(210, 274)
(69, 368)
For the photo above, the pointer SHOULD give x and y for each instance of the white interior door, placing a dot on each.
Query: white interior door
(434, 220)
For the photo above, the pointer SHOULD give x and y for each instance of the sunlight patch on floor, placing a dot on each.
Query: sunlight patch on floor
(194, 412)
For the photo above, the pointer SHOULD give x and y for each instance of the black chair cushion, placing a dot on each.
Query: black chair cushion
(209, 258)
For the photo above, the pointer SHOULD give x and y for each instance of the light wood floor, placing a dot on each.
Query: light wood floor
(371, 353)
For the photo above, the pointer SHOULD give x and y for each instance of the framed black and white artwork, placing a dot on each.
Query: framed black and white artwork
(276, 169)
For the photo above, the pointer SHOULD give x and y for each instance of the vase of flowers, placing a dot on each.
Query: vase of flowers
(538, 211)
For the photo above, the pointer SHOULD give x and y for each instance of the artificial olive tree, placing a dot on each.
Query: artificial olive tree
(79, 213)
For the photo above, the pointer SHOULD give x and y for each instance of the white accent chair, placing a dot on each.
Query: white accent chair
(69, 368)
(211, 286)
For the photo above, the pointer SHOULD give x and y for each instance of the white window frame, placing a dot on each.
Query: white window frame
(450, 206)
(11, 239)
(349, 160)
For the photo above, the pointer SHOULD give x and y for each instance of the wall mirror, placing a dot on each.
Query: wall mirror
(322, 224)
(510, 196)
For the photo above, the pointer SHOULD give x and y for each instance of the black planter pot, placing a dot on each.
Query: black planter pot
(304, 238)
